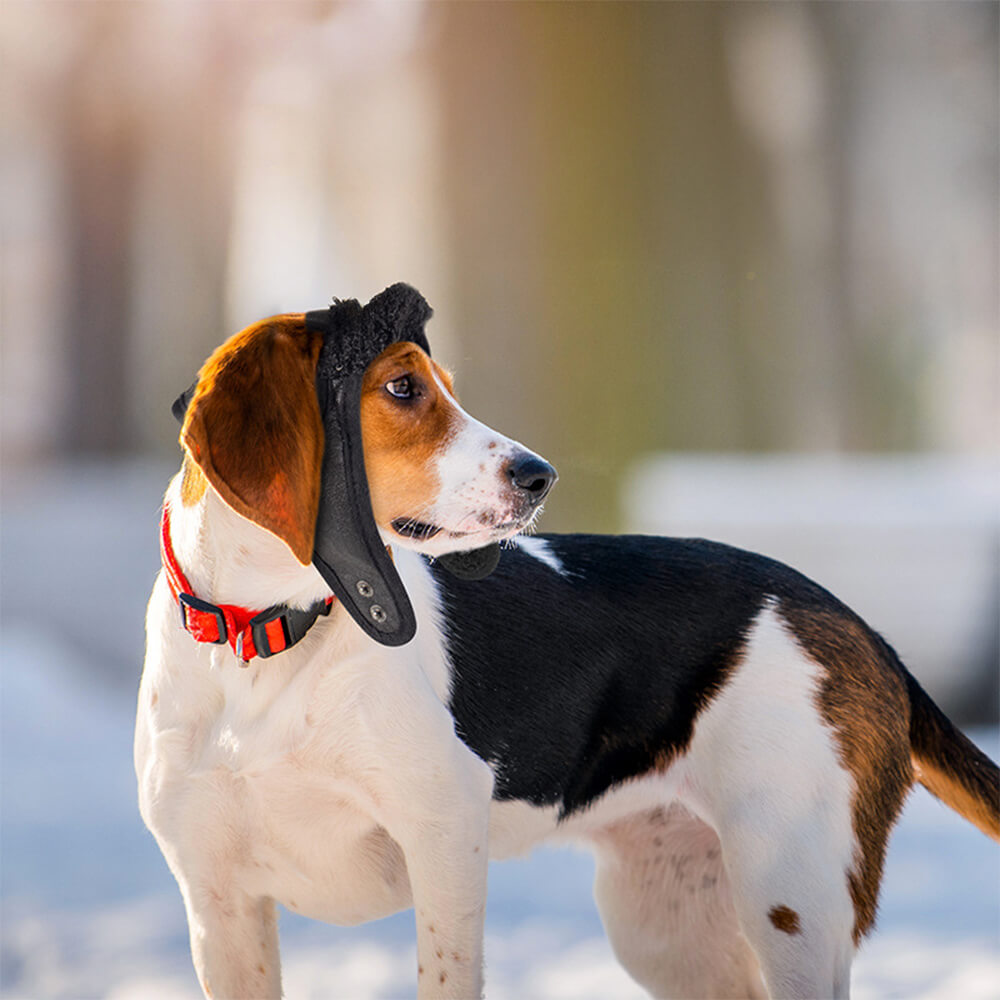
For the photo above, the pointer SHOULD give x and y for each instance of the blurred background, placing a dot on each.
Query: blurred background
(731, 267)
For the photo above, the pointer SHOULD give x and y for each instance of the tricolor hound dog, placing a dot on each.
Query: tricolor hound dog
(732, 742)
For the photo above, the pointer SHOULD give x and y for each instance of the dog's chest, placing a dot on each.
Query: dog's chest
(271, 799)
(313, 847)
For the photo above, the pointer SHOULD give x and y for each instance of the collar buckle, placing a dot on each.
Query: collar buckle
(204, 621)
(270, 631)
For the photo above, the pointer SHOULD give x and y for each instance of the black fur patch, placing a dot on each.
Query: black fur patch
(570, 683)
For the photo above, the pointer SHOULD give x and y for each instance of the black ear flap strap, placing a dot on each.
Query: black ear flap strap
(348, 550)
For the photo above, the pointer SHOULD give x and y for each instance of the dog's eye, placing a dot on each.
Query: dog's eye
(401, 388)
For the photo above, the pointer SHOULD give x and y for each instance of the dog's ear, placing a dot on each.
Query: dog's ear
(253, 428)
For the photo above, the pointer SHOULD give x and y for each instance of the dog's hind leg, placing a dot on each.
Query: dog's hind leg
(663, 894)
(770, 777)
(794, 909)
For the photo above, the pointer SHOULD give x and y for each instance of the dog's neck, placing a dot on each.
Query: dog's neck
(229, 560)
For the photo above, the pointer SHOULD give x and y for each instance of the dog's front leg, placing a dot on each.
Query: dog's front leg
(447, 865)
(436, 803)
(234, 934)
(234, 944)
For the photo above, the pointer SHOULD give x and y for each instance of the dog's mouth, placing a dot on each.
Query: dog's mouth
(469, 532)
(418, 530)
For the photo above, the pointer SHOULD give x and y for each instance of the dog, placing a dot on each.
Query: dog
(731, 742)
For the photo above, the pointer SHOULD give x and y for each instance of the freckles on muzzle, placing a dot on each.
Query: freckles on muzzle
(503, 501)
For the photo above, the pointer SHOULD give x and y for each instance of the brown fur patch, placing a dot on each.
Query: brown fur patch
(784, 919)
(951, 790)
(253, 428)
(863, 699)
(193, 483)
(402, 437)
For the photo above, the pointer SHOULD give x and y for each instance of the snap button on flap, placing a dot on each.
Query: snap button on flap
(365, 588)
(377, 612)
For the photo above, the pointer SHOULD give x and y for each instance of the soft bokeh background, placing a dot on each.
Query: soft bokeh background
(731, 267)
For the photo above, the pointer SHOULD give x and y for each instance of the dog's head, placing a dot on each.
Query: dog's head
(319, 444)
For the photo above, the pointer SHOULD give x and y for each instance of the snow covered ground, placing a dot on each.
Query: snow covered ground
(90, 910)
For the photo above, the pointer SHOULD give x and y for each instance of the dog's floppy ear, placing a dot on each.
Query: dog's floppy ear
(253, 428)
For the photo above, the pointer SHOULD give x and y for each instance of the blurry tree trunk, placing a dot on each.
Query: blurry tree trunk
(601, 293)
(183, 200)
(148, 110)
(100, 156)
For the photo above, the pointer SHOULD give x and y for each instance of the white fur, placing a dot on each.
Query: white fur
(539, 548)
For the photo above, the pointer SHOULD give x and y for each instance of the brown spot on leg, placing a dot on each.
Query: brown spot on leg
(420, 970)
(442, 977)
(785, 919)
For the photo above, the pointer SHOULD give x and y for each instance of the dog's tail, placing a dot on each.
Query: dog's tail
(950, 766)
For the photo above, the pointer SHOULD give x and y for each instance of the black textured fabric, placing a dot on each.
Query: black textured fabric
(475, 564)
(181, 403)
(356, 334)
(349, 552)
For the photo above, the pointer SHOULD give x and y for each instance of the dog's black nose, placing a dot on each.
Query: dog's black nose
(529, 473)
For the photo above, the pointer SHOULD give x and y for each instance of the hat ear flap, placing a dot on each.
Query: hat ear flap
(253, 428)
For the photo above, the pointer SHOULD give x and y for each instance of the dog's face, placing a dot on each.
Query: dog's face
(440, 481)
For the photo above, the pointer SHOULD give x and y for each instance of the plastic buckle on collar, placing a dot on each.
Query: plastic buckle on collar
(188, 604)
(270, 632)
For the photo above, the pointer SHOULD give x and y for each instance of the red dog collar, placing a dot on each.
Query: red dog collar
(250, 633)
